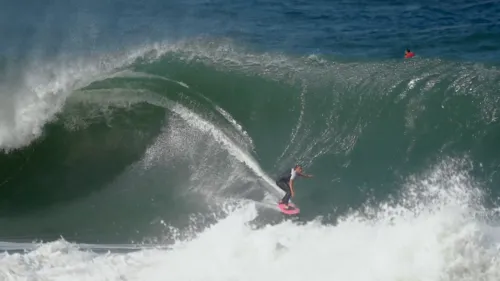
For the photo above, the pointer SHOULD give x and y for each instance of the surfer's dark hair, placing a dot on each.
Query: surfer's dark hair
(297, 166)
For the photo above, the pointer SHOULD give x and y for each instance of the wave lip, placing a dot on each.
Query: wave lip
(32, 101)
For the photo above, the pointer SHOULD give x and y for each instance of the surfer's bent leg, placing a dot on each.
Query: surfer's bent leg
(284, 186)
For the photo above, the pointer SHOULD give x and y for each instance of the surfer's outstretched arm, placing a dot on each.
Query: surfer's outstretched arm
(305, 175)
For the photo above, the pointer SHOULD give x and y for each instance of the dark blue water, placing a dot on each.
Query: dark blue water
(355, 29)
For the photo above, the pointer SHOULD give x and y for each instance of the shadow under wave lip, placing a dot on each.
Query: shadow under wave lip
(68, 164)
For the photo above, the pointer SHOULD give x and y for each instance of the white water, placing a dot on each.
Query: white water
(435, 237)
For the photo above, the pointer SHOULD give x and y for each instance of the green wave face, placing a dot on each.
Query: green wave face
(174, 133)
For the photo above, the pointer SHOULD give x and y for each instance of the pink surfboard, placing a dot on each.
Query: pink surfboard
(292, 209)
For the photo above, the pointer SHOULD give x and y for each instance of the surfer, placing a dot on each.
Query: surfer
(285, 182)
(409, 54)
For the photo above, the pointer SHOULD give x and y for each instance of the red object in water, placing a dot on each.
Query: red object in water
(409, 55)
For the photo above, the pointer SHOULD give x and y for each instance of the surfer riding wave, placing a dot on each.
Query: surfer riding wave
(285, 182)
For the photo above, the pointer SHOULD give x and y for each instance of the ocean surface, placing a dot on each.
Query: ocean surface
(140, 140)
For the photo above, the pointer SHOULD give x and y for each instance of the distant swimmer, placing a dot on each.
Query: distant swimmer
(285, 182)
(409, 54)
